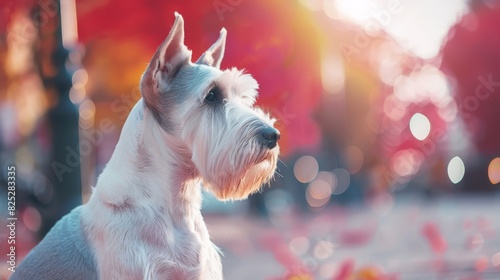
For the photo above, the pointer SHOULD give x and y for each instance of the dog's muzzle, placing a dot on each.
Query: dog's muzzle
(269, 136)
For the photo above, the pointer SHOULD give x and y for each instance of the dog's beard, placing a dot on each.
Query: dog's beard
(233, 172)
(258, 175)
(239, 184)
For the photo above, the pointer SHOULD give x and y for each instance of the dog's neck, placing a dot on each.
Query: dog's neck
(157, 172)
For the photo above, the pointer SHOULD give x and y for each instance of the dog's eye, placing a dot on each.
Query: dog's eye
(213, 95)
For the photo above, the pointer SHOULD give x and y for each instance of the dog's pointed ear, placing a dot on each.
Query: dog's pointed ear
(172, 51)
(213, 56)
(168, 59)
(169, 56)
(165, 64)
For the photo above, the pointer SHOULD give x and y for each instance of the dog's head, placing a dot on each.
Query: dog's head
(211, 112)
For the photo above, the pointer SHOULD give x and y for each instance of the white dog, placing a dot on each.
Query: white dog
(195, 126)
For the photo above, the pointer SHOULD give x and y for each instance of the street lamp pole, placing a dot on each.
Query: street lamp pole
(63, 118)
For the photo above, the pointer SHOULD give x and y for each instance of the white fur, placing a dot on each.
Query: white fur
(160, 236)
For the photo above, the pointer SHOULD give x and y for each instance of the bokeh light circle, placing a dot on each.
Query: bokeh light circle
(328, 177)
(77, 95)
(343, 179)
(80, 78)
(87, 109)
(323, 249)
(318, 193)
(394, 108)
(456, 170)
(420, 126)
(305, 169)
(494, 171)
(406, 162)
(319, 189)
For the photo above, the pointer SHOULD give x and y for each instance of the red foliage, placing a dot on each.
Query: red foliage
(276, 42)
(471, 56)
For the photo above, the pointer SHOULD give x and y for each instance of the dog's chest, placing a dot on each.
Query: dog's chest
(182, 250)
(187, 248)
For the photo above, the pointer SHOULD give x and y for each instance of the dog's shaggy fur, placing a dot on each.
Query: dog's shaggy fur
(195, 126)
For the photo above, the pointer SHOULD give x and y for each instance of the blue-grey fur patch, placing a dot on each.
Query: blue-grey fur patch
(178, 89)
(63, 254)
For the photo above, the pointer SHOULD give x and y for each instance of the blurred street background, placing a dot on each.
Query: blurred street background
(389, 113)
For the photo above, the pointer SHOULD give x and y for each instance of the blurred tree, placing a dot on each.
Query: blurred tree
(471, 58)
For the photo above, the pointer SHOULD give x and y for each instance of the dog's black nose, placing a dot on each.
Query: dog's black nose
(269, 136)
